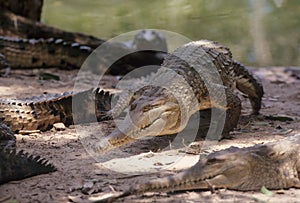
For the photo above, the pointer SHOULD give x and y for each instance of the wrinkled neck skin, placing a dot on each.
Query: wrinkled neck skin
(155, 111)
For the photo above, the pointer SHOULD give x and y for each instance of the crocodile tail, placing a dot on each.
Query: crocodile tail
(40, 113)
(35, 113)
(91, 105)
(249, 85)
(83, 105)
(103, 101)
(38, 53)
(19, 165)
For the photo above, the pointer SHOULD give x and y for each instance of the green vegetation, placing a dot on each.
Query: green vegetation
(259, 32)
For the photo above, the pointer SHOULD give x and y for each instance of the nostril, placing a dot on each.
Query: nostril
(132, 107)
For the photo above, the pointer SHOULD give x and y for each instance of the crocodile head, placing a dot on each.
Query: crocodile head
(270, 165)
(218, 170)
(273, 165)
(152, 113)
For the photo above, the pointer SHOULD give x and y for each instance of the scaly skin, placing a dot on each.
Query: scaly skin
(41, 113)
(16, 53)
(197, 76)
(18, 165)
(274, 165)
(32, 53)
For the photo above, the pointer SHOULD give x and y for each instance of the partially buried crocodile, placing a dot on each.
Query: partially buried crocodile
(196, 76)
(274, 165)
(18, 165)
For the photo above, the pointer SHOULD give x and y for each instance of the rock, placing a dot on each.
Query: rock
(59, 126)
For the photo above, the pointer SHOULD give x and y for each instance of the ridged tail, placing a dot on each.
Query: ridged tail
(40, 113)
(19, 165)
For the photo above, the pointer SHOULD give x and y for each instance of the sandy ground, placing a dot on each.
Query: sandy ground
(80, 177)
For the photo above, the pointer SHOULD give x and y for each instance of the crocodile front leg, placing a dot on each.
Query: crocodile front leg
(233, 112)
(248, 84)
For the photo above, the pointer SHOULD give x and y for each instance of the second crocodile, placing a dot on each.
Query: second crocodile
(18, 53)
(273, 165)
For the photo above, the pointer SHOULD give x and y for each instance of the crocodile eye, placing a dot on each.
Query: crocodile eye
(214, 160)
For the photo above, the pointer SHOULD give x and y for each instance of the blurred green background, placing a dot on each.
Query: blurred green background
(259, 32)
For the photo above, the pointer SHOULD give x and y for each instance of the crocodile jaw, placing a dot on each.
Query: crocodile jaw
(222, 171)
(274, 165)
(148, 116)
(208, 173)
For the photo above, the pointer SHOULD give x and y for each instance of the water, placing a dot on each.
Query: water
(259, 32)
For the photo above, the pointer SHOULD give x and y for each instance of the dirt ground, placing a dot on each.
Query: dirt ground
(79, 177)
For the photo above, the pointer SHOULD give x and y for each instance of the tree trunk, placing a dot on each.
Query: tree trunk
(20, 18)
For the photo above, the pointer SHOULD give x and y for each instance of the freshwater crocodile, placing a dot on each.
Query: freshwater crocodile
(40, 113)
(196, 76)
(18, 165)
(16, 53)
(274, 165)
